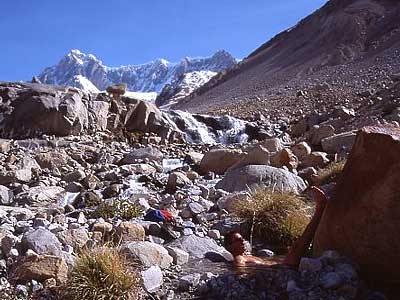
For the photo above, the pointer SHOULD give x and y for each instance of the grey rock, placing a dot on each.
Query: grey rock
(346, 271)
(198, 246)
(196, 208)
(189, 281)
(331, 280)
(180, 256)
(152, 279)
(339, 142)
(42, 241)
(243, 178)
(310, 264)
(149, 254)
(76, 175)
(149, 153)
(6, 195)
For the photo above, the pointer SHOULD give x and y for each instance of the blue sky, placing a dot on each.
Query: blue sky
(37, 34)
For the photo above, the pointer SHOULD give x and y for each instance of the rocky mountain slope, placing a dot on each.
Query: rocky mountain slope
(86, 72)
(345, 48)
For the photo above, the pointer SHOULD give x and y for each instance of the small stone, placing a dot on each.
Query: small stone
(310, 264)
(179, 256)
(331, 280)
(40, 222)
(196, 208)
(331, 256)
(76, 175)
(152, 278)
(214, 234)
(189, 281)
(13, 253)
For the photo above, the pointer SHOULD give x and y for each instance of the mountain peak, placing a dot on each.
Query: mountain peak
(148, 77)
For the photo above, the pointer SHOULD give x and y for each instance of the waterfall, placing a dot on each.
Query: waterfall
(208, 129)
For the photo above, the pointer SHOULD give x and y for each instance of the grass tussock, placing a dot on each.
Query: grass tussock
(277, 218)
(103, 274)
(331, 173)
(123, 209)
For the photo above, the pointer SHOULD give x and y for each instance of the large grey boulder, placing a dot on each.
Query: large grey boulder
(98, 113)
(34, 109)
(149, 254)
(146, 117)
(339, 142)
(42, 241)
(22, 172)
(243, 178)
(150, 153)
(200, 247)
(219, 160)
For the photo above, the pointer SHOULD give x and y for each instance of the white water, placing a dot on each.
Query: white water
(136, 189)
(170, 164)
(231, 130)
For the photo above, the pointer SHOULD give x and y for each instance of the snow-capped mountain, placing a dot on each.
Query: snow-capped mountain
(182, 87)
(87, 72)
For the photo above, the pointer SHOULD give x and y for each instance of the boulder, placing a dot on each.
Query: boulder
(76, 237)
(36, 109)
(127, 232)
(320, 132)
(315, 159)
(285, 157)
(175, 180)
(272, 145)
(39, 268)
(152, 278)
(117, 89)
(301, 150)
(150, 153)
(149, 254)
(243, 178)
(180, 256)
(52, 159)
(22, 173)
(198, 247)
(229, 201)
(5, 145)
(338, 142)
(146, 117)
(42, 241)
(219, 160)
(257, 156)
(98, 114)
(362, 219)
(43, 195)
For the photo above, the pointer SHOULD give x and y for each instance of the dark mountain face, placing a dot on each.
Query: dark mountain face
(346, 46)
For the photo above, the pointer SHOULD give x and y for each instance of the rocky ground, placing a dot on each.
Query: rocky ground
(95, 184)
(51, 189)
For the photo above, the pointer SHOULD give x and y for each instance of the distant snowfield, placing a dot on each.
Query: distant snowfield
(149, 97)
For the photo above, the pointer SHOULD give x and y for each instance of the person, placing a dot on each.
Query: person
(235, 243)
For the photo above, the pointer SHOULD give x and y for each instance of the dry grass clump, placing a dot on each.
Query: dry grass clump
(278, 218)
(123, 209)
(103, 274)
(330, 173)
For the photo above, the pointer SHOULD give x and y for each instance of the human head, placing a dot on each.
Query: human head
(234, 243)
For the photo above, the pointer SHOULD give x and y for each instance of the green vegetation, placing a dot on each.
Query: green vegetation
(103, 274)
(123, 209)
(331, 173)
(278, 218)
